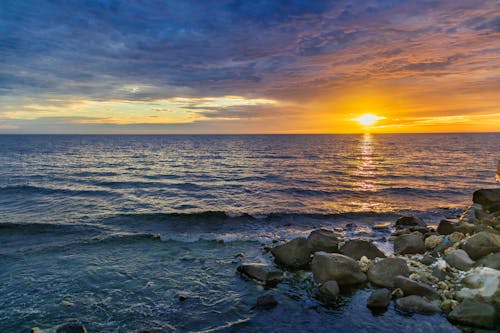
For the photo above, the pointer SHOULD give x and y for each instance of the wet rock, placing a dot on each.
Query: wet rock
(482, 284)
(439, 273)
(455, 237)
(338, 267)
(432, 241)
(364, 264)
(446, 226)
(410, 287)
(460, 260)
(264, 273)
(482, 244)
(384, 272)
(448, 305)
(266, 301)
(409, 244)
(358, 248)
(294, 254)
(329, 291)
(474, 313)
(418, 304)
(323, 240)
(397, 293)
(427, 260)
(71, 327)
(410, 221)
(182, 297)
(379, 299)
(465, 228)
(486, 197)
(492, 260)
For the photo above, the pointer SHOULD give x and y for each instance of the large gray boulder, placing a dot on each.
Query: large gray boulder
(379, 299)
(293, 254)
(474, 313)
(409, 244)
(323, 240)
(338, 267)
(329, 291)
(486, 197)
(264, 273)
(418, 304)
(482, 244)
(459, 259)
(384, 272)
(357, 248)
(410, 287)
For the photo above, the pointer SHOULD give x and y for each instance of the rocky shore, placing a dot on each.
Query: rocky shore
(452, 268)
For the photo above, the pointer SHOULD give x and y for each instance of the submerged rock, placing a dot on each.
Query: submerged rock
(473, 313)
(71, 327)
(482, 244)
(338, 267)
(329, 291)
(379, 299)
(266, 301)
(323, 240)
(409, 244)
(264, 273)
(357, 248)
(294, 254)
(410, 287)
(418, 304)
(384, 272)
(459, 259)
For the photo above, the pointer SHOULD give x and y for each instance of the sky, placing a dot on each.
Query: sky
(255, 66)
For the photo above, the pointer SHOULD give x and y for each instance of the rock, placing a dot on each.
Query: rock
(448, 304)
(71, 327)
(410, 221)
(357, 248)
(323, 240)
(379, 299)
(465, 228)
(482, 284)
(459, 259)
(397, 293)
(410, 287)
(439, 273)
(486, 197)
(264, 273)
(455, 237)
(482, 244)
(266, 301)
(416, 303)
(329, 291)
(364, 263)
(294, 254)
(338, 267)
(409, 244)
(384, 272)
(182, 297)
(427, 260)
(492, 260)
(446, 226)
(432, 241)
(474, 313)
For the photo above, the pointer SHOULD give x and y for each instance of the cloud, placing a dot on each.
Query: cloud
(292, 52)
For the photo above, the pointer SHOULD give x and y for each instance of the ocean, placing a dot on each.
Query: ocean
(109, 229)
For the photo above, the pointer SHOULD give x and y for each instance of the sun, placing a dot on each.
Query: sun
(368, 119)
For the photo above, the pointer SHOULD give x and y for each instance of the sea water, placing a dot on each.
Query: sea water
(111, 229)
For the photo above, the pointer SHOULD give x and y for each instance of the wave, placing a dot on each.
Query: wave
(36, 228)
(32, 189)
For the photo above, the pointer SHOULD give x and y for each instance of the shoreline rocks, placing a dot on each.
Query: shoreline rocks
(294, 254)
(338, 267)
(264, 273)
(384, 272)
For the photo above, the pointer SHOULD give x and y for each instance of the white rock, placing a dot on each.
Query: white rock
(482, 284)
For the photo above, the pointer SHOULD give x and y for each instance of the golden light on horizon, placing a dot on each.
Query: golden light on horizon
(368, 119)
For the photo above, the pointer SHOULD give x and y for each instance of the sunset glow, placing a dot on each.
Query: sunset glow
(306, 67)
(368, 119)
